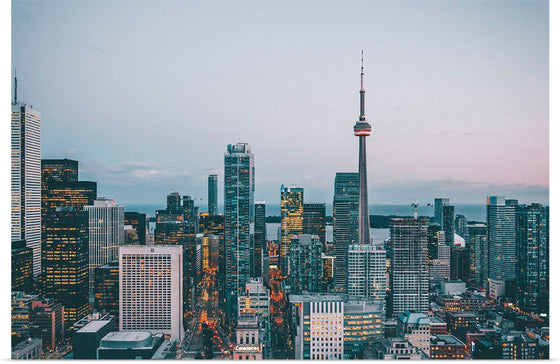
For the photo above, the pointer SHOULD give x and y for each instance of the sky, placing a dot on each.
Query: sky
(147, 95)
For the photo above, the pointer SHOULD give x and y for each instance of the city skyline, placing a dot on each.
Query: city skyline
(484, 94)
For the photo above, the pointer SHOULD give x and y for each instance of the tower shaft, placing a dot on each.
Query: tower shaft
(363, 222)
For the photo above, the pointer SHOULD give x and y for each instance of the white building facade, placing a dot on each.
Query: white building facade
(366, 275)
(26, 179)
(151, 289)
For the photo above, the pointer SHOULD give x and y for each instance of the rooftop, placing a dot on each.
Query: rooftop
(94, 326)
(445, 340)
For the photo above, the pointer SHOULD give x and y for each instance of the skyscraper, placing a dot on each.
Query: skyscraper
(477, 245)
(259, 237)
(502, 252)
(106, 234)
(362, 129)
(314, 220)
(345, 222)
(533, 265)
(64, 275)
(438, 209)
(449, 224)
(366, 271)
(150, 283)
(213, 194)
(26, 178)
(408, 276)
(239, 197)
(291, 211)
(461, 225)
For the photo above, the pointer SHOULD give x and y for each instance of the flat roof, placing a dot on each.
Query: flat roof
(445, 340)
(94, 326)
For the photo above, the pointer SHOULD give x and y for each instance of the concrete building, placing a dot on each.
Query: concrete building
(150, 284)
(259, 237)
(21, 308)
(106, 289)
(46, 321)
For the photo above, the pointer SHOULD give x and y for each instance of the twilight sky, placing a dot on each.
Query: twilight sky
(146, 95)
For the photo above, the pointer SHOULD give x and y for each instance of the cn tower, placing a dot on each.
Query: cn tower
(362, 129)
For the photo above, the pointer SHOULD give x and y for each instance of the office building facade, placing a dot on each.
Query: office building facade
(213, 194)
(26, 179)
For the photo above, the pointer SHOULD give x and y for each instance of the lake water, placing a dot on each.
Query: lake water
(472, 212)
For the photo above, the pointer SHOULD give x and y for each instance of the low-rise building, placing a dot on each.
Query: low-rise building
(29, 349)
(248, 345)
(418, 328)
(446, 347)
(393, 349)
(86, 339)
(129, 345)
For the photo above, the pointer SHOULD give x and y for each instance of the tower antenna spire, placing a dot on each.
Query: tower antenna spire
(15, 86)
(362, 92)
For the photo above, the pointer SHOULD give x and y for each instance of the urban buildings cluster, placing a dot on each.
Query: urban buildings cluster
(93, 281)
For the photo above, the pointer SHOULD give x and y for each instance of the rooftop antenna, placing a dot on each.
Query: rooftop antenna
(15, 86)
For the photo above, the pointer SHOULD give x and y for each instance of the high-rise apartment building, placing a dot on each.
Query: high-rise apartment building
(213, 194)
(26, 178)
(239, 197)
(502, 252)
(408, 276)
(106, 234)
(366, 271)
(345, 222)
(533, 265)
(291, 213)
(306, 264)
(439, 268)
(150, 284)
(65, 259)
(259, 238)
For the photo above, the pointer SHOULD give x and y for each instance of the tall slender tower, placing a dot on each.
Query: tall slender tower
(362, 129)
